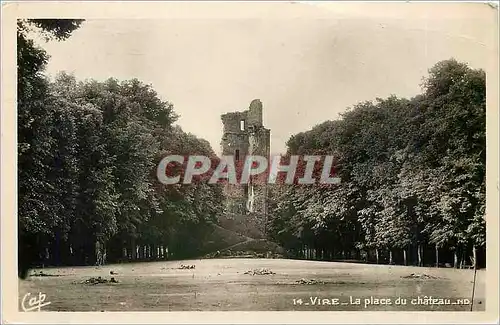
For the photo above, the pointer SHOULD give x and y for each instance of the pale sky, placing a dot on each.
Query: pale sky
(305, 68)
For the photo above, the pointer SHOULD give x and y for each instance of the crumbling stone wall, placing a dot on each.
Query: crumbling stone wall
(244, 134)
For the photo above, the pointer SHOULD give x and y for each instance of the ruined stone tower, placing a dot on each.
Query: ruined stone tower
(244, 134)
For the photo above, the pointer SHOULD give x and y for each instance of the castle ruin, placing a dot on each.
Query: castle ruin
(244, 134)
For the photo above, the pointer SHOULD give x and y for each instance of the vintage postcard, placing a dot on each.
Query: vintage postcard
(249, 162)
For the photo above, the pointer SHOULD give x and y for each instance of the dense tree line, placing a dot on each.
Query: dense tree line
(413, 178)
(87, 157)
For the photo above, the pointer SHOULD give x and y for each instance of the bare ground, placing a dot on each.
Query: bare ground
(222, 285)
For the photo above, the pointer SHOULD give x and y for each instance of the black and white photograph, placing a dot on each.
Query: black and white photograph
(251, 157)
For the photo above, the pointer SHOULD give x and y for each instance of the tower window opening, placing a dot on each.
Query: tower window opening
(242, 125)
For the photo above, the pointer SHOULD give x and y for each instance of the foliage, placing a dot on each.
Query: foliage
(413, 172)
(88, 153)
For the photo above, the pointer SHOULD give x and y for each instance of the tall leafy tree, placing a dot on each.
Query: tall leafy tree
(412, 173)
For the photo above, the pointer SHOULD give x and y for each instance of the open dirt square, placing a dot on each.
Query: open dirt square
(254, 285)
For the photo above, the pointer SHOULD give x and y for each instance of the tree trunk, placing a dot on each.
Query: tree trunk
(455, 259)
(376, 255)
(98, 252)
(404, 257)
(133, 250)
(419, 252)
(390, 257)
(437, 256)
(474, 256)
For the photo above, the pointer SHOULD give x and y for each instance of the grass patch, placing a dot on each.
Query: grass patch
(221, 285)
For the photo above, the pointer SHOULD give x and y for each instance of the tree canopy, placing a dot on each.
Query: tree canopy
(412, 170)
(87, 155)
